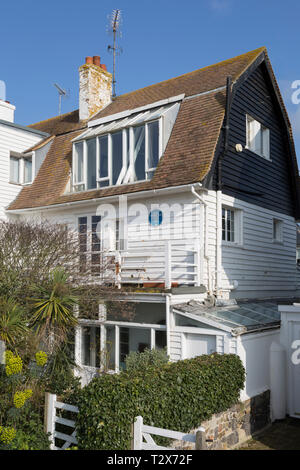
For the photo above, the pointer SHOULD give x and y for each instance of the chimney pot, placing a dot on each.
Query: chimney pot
(94, 87)
(96, 60)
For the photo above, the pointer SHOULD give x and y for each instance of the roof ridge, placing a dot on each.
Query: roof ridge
(259, 50)
(54, 117)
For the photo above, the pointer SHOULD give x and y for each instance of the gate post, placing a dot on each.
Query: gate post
(49, 417)
(200, 441)
(137, 436)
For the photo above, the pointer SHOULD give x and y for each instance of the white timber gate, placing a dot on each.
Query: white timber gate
(142, 436)
(51, 421)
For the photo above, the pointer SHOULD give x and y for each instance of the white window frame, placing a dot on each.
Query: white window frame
(264, 137)
(238, 226)
(127, 174)
(22, 157)
(116, 325)
(277, 230)
(89, 234)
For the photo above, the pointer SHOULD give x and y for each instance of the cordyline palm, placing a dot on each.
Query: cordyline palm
(13, 324)
(54, 310)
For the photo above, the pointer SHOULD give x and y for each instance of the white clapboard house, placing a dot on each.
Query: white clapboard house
(191, 186)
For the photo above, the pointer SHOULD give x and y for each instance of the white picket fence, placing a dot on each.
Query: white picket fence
(142, 439)
(51, 419)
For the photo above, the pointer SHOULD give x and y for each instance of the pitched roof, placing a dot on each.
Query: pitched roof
(190, 151)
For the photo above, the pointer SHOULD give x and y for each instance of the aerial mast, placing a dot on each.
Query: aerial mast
(62, 94)
(115, 20)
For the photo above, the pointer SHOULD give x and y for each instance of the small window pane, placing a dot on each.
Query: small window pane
(228, 229)
(28, 170)
(91, 163)
(78, 171)
(139, 152)
(153, 144)
(90, 349)
(117, 157)
(14, 170)
(103, 143)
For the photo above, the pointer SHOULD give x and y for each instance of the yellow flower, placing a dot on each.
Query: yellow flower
(19, 399)
(41, 358)
(7, 434)
(13, 363)
(28, 393)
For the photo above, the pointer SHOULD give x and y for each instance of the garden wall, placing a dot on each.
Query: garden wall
(236, 425)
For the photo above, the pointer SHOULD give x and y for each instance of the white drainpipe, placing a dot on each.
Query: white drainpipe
(205, 220)
(168, 314)
(219, 242)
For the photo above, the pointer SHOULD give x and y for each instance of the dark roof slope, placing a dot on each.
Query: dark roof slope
(190, 150)
(192, 83)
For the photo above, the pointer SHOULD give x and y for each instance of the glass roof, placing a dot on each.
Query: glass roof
(128, 121)
(250, 315)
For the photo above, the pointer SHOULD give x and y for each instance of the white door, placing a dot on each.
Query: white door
(295, 367)
(199, 344)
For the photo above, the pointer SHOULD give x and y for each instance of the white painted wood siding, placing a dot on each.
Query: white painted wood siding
(262, 267)
(17, 140)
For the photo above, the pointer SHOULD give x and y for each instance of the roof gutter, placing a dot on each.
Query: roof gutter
(114, 198)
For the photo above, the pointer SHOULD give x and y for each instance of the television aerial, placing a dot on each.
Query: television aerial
(62, 94)
(115, 21)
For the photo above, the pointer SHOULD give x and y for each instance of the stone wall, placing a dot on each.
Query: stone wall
(232, 427)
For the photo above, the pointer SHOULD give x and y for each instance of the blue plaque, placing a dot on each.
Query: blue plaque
(155, 217)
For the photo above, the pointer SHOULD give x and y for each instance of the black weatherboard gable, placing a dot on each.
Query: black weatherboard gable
(246, 175)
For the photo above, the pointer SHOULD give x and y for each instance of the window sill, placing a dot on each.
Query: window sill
(277, 242)
(20, 184)
(232, 244)
(106, 187)
(258, 154)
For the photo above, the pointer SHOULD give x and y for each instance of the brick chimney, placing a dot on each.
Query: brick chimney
(95, 87)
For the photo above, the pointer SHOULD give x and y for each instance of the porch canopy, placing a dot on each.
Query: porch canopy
(236, 318)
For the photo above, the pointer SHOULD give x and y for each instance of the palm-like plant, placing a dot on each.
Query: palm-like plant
(13, 324)
(54, 309)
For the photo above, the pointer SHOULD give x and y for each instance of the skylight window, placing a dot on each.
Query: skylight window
(122, 151)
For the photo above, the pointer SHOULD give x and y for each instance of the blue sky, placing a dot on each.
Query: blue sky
(45, 42)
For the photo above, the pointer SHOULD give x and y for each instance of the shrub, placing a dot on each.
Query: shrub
(149, 358)
(178, 396)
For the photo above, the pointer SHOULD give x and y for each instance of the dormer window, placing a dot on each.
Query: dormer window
(122, 151)
(20, 168)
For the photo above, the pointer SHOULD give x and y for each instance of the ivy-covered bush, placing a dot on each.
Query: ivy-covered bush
(177, 396)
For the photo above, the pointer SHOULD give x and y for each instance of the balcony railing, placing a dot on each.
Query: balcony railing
(165, 263)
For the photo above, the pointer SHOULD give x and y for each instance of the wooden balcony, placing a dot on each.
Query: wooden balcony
(159, 263)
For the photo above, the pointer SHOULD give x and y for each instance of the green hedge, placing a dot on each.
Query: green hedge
(178, 396)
